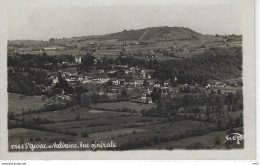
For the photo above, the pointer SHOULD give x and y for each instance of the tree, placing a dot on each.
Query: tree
(219, 124)
(208, 112)
(124, 93)
(86, 62)
(109, 82)
(145, 83)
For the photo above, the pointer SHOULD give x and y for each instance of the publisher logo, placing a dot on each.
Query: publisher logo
(235, 137)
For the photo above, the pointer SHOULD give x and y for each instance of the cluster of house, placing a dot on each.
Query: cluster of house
(215, 83)
(141, 77)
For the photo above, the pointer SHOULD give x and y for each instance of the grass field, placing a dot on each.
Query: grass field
(207, 141)
(15, 135)
(70, 114)
(113, 54)
(164, 130)
(121, 105)
(104, 123)
(17, 104)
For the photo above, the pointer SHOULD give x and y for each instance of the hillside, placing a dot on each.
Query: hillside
(140, 42)
(148, 34)
(157, 33)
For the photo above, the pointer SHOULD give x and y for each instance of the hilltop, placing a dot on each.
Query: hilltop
(146, 34)
(156, 33)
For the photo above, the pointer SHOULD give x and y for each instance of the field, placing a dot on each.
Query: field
(113, 54)
(205, 141)
(17, 134)
(108, 122)
(17, 103)
(121, 105)
(93, 124)
(70, 114)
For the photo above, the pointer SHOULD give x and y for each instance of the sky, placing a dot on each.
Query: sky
(42, 22)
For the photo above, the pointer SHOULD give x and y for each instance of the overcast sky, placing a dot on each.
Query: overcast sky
(34, 22)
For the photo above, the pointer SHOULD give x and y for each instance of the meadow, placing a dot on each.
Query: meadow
(17, 103)
(122, 105)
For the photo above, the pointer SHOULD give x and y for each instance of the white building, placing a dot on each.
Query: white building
(55, 80)
(78, 59)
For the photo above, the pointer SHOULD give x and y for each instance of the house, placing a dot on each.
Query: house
(196, 85)
(103, 80)
(115, 82)
(143, 74)
(55, 80)
(122, 82)
(134, 69)
(101, 71)
(111, 71)
(78, 59)
(165, 90)
(166, 83)
(157, 85)
(148, 76)
(143, 97)
(149, 99)
(148, 91)
(146, 99)
(120, 66)
(150, 82)
(131, 82)
(139, 82)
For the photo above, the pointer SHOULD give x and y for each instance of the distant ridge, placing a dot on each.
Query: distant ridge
(146, 34)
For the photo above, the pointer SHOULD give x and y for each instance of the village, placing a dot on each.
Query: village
(141, 79)
(104, 88)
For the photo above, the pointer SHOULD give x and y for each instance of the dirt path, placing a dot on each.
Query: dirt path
(142, 36)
